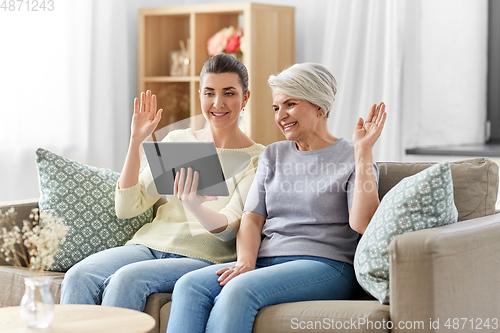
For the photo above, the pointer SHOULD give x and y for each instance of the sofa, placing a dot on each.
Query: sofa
(441, 279)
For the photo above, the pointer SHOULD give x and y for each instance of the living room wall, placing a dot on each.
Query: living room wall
(442, 78)
(443, 44)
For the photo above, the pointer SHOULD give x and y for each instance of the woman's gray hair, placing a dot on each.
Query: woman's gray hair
(307, 81)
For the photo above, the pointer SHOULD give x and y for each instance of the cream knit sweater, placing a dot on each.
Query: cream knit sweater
(174, 228)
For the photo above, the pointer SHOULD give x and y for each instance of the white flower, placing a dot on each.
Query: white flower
(41, 238)
(218, 42)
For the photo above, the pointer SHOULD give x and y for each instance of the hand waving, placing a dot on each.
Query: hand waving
(145, 117)
(367, 132)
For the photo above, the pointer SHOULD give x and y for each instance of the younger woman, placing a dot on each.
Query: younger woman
(189, 231)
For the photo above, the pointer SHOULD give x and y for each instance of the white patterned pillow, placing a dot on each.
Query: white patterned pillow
(424, 200)
(84, 197)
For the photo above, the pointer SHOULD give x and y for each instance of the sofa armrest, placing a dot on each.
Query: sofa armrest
(445, 273)
(23, 209)
(154, 304)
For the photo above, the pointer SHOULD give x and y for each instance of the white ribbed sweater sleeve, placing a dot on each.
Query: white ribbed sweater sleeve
(140, 197)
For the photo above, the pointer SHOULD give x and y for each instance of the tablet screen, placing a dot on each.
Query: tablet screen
(167, 158)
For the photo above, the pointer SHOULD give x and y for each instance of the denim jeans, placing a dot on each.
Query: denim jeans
(125, 276)
(200, 304)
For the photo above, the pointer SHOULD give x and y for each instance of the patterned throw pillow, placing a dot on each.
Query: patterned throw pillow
(84, 197)
(424, 200)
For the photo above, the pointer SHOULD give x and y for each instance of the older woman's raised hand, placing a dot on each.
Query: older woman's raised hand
(367, 132)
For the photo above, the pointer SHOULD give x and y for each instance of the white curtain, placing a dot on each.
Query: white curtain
(445, 75)
(426, 59)
(68, 77)
(64, 82)
(364, 50)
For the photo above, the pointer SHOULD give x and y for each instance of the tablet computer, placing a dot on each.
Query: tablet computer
(167, 158)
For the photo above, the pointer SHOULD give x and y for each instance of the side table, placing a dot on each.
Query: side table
(81, 318)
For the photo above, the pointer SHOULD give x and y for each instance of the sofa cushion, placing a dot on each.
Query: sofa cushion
(421, 201)
(84, 197)
(323, 316)
(355, 316)
(475, 183)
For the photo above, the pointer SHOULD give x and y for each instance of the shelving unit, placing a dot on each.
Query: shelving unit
(269, 47)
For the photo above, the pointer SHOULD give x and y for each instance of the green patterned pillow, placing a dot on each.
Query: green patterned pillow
(424, 200)
(84, 197)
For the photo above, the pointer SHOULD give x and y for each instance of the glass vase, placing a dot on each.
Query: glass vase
(37, 304)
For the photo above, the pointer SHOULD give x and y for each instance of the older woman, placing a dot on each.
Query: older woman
(311, 198)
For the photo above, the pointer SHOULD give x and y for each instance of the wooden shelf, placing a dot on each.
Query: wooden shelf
(171, 78)
(269, 48)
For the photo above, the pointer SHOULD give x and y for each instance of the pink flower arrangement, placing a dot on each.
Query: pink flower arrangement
(227, 40)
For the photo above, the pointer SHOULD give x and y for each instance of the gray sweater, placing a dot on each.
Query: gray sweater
(305, 197)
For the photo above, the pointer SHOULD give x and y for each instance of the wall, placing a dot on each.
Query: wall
(445, 63)
(445, 42)
(309, 27)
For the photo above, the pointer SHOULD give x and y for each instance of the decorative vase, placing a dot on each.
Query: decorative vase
(37, 304)
(179, 63)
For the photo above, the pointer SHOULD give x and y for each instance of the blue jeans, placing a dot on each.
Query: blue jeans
(200, 304)
(125, 276)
